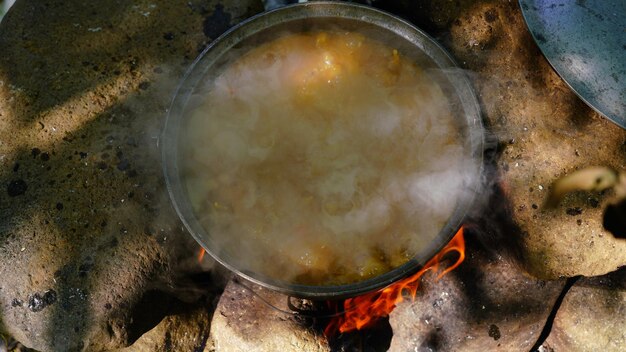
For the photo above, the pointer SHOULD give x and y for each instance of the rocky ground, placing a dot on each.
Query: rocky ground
(88, 238)
(92, 257)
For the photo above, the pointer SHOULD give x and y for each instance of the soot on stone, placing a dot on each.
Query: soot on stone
(494, 332)
(37, 302)
(16, 188)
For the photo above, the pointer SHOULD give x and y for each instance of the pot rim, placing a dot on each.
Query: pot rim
(307, 11)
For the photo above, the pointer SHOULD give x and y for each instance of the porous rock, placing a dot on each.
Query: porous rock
(187, 331)
(86, 229)
(592, 316)
(247, 319)
(486, 304)
(545, 132)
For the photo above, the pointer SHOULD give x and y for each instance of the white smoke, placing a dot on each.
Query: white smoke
(324, 158)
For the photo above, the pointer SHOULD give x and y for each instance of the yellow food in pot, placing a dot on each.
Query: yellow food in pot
(322, 158)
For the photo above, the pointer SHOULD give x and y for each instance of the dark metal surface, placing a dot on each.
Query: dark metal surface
(409, 40)
(585, 42)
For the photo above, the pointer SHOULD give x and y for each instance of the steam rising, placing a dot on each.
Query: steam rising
(324, 158)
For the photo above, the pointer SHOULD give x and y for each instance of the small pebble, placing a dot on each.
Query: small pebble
(494, 332)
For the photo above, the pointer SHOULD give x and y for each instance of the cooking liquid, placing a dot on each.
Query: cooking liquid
(322, 158)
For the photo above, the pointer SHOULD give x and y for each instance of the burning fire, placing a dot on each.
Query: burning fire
(363, 311)
(201, 255)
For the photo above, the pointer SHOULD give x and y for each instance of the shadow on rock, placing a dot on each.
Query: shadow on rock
(85, 222)
(486, 303)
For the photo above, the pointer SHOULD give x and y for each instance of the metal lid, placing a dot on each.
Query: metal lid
(585, 42)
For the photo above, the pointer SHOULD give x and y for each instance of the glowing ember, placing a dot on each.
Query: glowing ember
(201, 255)
(363, 311)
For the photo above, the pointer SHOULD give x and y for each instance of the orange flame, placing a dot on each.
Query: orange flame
(201, 255)
(363, 311)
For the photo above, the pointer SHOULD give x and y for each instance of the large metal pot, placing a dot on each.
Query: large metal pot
(387, 28)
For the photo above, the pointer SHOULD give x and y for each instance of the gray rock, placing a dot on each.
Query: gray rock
(244, 322)
(486, 304)
(86, 230)
(592, 316)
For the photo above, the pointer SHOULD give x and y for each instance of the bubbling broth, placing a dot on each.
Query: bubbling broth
(322, 158)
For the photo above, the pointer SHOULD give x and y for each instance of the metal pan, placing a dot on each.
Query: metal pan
(409, 40)
(585, 42)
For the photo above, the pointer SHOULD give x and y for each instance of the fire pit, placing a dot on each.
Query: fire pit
(93, 257)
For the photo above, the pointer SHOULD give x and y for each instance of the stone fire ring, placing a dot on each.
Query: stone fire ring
(93, 258)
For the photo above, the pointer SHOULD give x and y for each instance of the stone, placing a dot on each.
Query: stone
(8, 344)
(546, 132)
(187, 331)
(245, 320)
(592, 316)
(87, 233)
(486, 304)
